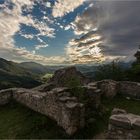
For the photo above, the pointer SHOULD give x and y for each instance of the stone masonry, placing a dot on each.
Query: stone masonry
(56, 104)
(123, 125)
(130, 89)
(111, 88)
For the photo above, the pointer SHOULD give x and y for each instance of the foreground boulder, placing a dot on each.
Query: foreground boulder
(67, 76)
(123, 125)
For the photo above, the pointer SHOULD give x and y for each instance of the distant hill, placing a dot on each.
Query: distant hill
(25, 74)
(89, 70)
(12, 67)
(37, 68)
(33, 67)
(12, 75)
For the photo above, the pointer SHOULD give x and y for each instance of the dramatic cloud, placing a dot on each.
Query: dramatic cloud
(21, 54)
(10, 23)
(48, 4)
(63, 7)
(40, 46)
(113, 25)
(97, 31)
(85, 48)
(121, 29)
(88, 21)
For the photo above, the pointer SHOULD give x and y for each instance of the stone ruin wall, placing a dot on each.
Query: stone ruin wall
(123, 125)
(111, 88)
(66, 111)
(130, 89)
(58, 104)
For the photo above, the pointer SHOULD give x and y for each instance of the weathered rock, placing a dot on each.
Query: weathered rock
(60, 89)
(65, 99)
(109, 88)
(130, 89)
(63, 77)
(92, 84)
(44, 87)
(120, 120)
(124, 126)
(118, 111)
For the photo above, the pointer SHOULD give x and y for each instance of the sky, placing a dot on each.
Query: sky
(69, 31)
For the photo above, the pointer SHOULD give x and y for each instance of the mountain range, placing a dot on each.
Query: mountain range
(25, 74)
(28, 74)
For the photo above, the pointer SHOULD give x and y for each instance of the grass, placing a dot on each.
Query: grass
(131, 105)
(19, 122)
(46, 77)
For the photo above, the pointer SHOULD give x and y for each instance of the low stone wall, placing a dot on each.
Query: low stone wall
(130, 89)
(60, 104)
(56, 104)
(111, 88)
(123, 125)
(66, 111)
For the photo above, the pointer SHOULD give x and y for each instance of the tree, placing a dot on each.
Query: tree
(137, 55)
(110, 71)
(134, 72)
